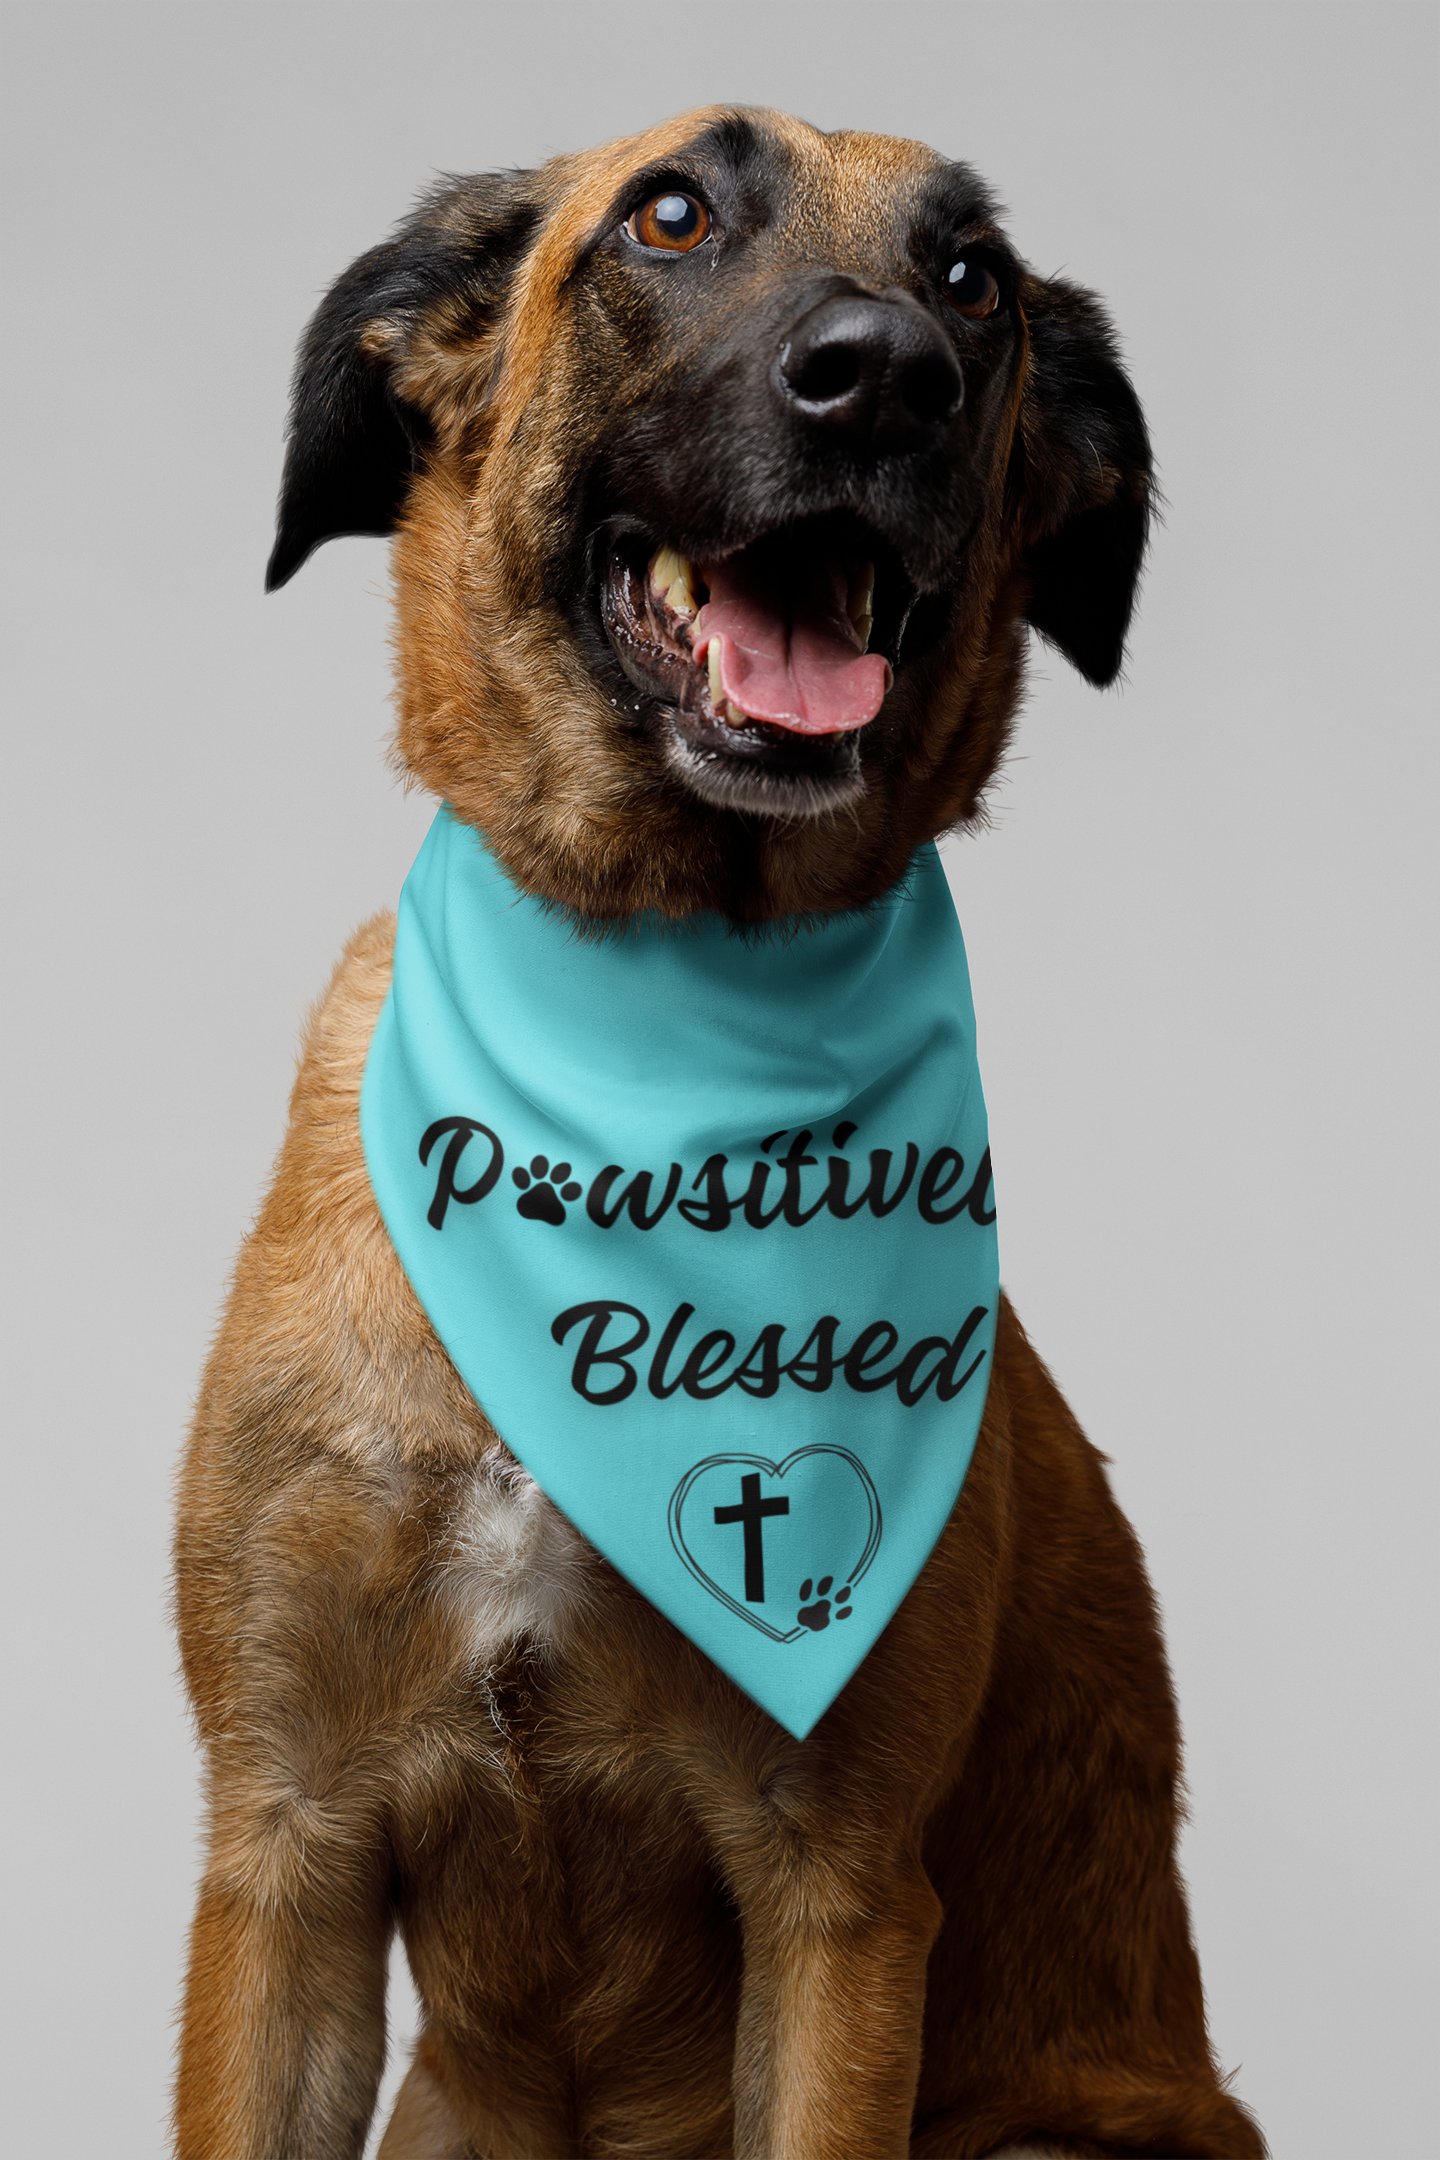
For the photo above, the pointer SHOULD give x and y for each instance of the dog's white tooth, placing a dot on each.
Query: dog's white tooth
(725, 708)
(680, 599)
(673, 578)
(861, 604)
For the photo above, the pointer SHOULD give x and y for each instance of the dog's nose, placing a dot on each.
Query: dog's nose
(876, 371)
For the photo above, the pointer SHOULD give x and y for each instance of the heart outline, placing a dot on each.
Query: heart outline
(777, 1471)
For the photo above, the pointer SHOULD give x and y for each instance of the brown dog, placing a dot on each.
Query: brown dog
(642, 1919)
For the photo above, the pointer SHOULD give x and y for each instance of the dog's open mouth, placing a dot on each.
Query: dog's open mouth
(765, 663)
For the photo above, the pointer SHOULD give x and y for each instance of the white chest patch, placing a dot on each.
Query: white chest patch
(516, 1568)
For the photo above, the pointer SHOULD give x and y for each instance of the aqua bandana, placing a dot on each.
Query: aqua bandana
(705, 1224)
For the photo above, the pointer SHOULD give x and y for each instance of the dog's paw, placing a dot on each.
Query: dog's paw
(817, 1615)
(541, 1201)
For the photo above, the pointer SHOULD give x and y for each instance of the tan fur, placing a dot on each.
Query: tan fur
(643, 1921)
(422, 2125)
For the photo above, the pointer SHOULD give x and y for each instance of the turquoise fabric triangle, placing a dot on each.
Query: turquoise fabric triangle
(705, 1223)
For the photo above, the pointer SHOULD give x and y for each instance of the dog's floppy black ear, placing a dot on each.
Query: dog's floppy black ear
(353, 439)
(1085, 480)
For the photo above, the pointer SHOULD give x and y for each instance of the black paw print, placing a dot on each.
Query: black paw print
(541, 1202)
(818, 1615)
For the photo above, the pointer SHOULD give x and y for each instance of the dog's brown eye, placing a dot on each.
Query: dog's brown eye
(673, 222)
(972, 290)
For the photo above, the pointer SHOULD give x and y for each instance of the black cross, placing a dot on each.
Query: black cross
(752, 1512)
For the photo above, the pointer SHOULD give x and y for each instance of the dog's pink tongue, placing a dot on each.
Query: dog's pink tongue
(795, 661)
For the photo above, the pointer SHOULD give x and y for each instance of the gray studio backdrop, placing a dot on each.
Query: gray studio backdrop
(1195, 927)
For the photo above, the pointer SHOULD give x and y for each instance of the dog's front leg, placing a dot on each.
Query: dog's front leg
(284, 2027)
(828, 2045)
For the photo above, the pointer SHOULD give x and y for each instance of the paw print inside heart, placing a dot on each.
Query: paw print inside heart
(541, 1199)
(817, 1615)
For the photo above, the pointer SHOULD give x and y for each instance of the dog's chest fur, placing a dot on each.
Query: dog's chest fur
(516, 1571)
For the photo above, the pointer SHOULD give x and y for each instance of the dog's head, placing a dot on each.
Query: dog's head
(726, 465)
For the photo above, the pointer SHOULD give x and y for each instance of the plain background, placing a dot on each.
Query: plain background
(1196, 929)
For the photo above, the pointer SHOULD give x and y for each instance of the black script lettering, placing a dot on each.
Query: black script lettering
(947, 1387)
(793, 1161)
(706, 1359)
(975, 1198)
(838, 1188)
(636, 1197)
(754, 1201)
(715, 1210)
(837, 1192)
(599, 1312)
(821, 1366)
(879, 1171)
(674, 1328)
(941, 1174)
(905, 1378)
(446, 1190)
(866, 1352)
(764, 1380)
